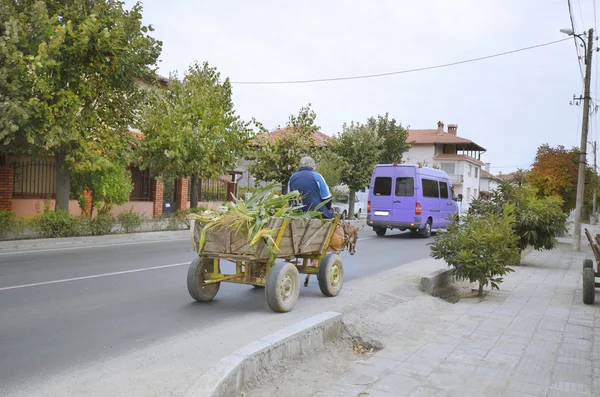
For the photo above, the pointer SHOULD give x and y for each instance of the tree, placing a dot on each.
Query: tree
(330, 166)
(393, 139)
(480, 248)
(360, 147)
(276, 156)
(191, 128)
(68, 79)
(554, 173)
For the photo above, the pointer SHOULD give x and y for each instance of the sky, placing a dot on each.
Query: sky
(510, 105)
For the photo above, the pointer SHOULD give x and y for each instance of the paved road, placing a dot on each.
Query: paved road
(62, 308)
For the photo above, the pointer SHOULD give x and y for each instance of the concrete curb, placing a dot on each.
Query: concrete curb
(434, 282)
(230, 375)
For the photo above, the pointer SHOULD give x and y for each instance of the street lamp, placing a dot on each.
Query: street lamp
(584, 133)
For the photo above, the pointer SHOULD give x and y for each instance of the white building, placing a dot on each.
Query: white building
(459, 157)
(488, 182)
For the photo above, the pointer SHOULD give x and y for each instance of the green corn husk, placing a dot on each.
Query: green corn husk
(252, 215)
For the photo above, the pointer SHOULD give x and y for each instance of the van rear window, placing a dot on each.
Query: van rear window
(383, 186)
(405, 187)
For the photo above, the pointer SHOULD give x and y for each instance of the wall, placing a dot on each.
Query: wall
(420, 153)
(27, 207)
(471, 183)
(141, 207)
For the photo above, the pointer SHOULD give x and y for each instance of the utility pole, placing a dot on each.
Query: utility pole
(594, 197)
(583, 146)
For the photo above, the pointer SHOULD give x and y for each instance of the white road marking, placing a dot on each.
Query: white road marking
(366, 238)
(91, 246)
(93, 276)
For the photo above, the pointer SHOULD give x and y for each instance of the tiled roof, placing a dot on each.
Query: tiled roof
(420, 137)
(487, 175)
(320, 139)
(458, 157)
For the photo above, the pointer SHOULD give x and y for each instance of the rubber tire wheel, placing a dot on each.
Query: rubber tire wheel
(589, 286)
(588, 264)
(328, 275)
(195, 280)
(426, 232)
(282, 272)
(358, 214)
(380, 231)
(258, 286)
(343, 215)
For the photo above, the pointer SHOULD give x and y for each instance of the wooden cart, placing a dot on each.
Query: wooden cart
(302, 244)
(590, 272)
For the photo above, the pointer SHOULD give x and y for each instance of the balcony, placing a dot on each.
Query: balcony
(456, 179)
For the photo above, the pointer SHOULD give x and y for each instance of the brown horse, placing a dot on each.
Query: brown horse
(344, 237)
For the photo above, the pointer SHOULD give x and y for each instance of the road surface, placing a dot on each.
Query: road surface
(62, 309)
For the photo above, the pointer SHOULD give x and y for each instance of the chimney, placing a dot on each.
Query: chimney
(487, 167)
(452, 128)
(440, 128)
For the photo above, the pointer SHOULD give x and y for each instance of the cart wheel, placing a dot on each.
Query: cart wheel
(588, 264)
(282, 289)
(331, 275)
(195, 280)
(589, 286)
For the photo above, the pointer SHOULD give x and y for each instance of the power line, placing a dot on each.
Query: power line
(575, 38)
(368, 76)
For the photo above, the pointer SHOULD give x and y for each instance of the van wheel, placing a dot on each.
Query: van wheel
(426, 231)
(380, 231)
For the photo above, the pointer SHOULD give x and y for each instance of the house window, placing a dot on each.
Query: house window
(448, 168)
(470, 170)
(469, 193)
(476, 172)
(475, 192)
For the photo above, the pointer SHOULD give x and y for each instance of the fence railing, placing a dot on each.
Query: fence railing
(34, 179)
(212, 190)
(142, 185)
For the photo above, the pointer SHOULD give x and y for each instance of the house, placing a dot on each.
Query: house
(488, 182)
(459, 157)
(246, 180)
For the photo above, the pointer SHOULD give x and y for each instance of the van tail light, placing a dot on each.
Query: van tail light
(368, 207)
(418, 209)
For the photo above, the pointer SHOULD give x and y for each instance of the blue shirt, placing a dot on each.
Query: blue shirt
(312, 188)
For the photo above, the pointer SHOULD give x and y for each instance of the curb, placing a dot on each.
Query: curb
(230, 375)
(436, 281)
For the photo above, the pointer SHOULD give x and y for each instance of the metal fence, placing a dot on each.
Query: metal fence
(34, 179)
(142, 185)
(212, 190)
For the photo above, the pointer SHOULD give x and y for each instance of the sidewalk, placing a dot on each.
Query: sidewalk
(534, 337)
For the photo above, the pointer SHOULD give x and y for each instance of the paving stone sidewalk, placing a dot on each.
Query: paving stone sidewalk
(534, 337)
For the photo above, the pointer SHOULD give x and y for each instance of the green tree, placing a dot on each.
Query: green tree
(330, 166)
(68, 85)
(191, 128)
(359, 146)
(393, 138)
(481, 248)
(276, 157)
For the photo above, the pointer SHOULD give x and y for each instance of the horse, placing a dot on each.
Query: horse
(344, 237)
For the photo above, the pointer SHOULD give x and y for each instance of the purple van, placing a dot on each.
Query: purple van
(410, 197)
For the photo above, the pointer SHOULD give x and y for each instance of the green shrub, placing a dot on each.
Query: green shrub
(130, 221)
(53, 224)
(182, 217)
(8, 223)
(481, 248)
(537, 220)
(100, 225)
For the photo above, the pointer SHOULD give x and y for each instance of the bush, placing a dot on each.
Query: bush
(8, 223)
(100, 225)
(182, 217)
(130, 221)
(481, 248)
(537, 220)
(53, 224)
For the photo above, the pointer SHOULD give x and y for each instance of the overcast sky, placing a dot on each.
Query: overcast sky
(509, 105)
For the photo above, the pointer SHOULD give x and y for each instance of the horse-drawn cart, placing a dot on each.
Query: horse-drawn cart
(305, 245)
(590, 272)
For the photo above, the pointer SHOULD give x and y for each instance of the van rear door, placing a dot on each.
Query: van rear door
(404, 194)
(380, 193)
(431, 200)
